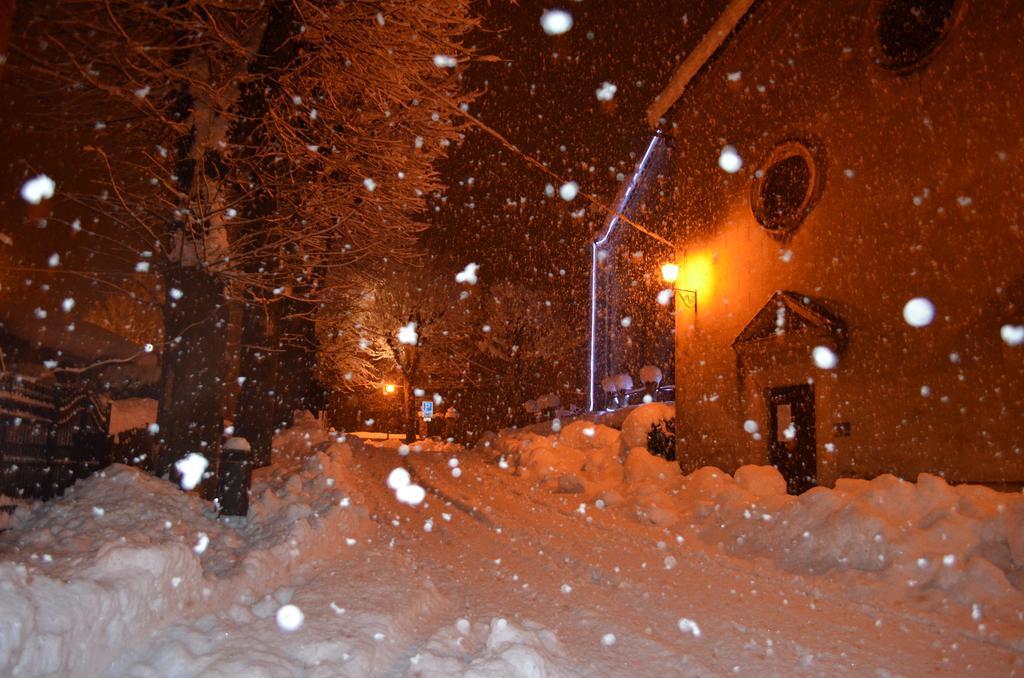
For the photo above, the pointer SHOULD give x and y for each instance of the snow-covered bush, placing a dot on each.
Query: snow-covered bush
(637, 425)
(661, 439)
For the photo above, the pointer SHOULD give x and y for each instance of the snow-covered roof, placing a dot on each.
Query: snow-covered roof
(695, 60)
(80, 340)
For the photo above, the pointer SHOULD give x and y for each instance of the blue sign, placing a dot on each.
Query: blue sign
(428, 409)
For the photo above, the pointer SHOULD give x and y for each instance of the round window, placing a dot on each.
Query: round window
(785, 188)
(908, 31)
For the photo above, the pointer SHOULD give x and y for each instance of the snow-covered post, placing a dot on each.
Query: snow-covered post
(451, 423)
(623, 384)
(532, 410)
(547, 404)
(611, 392)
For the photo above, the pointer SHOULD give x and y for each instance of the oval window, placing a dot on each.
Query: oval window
(785, 188)
(908, 31)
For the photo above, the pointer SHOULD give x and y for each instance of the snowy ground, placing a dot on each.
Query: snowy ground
(569, 554)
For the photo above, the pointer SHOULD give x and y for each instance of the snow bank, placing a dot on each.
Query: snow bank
(966, 541)
(497, 648)
(124, 554)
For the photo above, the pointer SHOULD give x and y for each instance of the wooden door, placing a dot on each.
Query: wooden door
(791, 445)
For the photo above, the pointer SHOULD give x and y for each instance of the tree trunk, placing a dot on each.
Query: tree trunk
(300, 389)
(194, 369)
(257, 414)
(261, 405)
(409, 408)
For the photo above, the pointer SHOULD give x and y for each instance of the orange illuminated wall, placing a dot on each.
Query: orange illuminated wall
(920, 169)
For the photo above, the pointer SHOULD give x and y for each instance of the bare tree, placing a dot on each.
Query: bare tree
(130, 316)
(364, 109)
(412, 327)
(250, 150)
(529, 347)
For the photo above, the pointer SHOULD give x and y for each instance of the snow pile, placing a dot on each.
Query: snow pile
(299, 439)
(124, 554)
(498, 648)
(131, 413)
(966, 540)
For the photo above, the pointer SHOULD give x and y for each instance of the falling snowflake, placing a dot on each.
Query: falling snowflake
(407, 334)
(729, 160)
(38, 189)
(689, 626)
(191, 468)
(919, 312)
(398, 478)
(556, 21)
(411, 494)
(289, 618)
(468, 274)
(568, 190)
(443, 61)
(606, 92)
(1013, 335)
(824, 357)
(201, 543)
(400, 481)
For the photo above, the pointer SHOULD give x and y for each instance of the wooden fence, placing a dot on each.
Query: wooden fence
(50, 436)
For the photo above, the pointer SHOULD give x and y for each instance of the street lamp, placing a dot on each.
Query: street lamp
(389, 389)
(670, 273)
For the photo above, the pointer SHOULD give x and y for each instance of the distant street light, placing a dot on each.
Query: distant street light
(389, 389)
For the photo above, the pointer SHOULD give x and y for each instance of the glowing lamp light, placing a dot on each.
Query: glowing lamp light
(389, 388)
(670, 272)
(698, 274)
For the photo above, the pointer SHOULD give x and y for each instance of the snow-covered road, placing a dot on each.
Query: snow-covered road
(493, 576)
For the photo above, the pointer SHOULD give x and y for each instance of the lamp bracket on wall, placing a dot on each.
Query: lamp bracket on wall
(688, 298)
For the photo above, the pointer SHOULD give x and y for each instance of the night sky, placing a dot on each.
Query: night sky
(543, 99)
